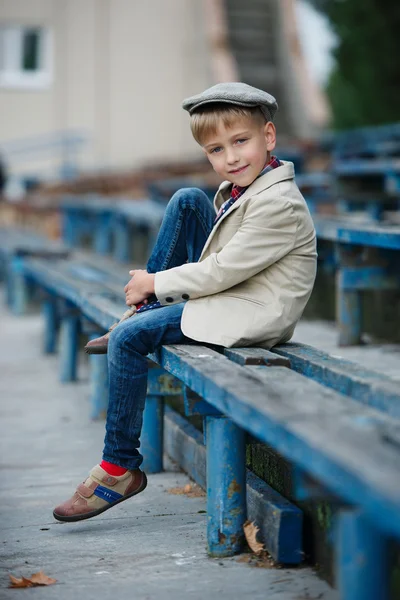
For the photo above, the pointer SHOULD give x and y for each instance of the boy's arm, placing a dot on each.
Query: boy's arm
(266, 234)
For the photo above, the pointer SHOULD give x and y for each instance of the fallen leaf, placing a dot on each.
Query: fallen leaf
(19, 583)
(42, 579)
(244, 558)
(250, 531)
(191, 490)
(35, 580)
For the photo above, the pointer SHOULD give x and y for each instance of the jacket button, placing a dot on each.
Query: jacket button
(185, 296)
(169, 299)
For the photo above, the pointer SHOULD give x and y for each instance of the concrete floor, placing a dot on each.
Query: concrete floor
(152, 546)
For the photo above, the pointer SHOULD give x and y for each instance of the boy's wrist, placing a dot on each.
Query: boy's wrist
(151, 285)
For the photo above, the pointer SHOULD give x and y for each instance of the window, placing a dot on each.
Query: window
(25, 57)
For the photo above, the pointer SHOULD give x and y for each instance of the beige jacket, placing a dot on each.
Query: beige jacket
(257, 269)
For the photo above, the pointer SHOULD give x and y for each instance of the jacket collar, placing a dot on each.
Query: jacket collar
(285, 171)
(282, 173)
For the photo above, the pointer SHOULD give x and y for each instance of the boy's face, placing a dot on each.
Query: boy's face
(239, 153)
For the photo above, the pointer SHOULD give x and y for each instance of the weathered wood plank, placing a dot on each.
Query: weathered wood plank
(351, 231)
(15, 242)
(256, 356)
(348, 378)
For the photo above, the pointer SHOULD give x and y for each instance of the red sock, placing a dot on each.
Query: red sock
(111, 469)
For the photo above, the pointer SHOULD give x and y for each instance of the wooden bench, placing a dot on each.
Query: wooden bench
(15, 244)
(162, 190)
(366, 258)
(366, 170)
(321, 414)
(110, 225)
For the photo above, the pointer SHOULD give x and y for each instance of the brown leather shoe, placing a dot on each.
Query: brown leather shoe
(98, 345)
(100, 492)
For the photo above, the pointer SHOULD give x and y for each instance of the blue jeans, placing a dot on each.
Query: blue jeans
(187, 223)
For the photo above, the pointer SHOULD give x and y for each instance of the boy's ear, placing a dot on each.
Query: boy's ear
(270, 135)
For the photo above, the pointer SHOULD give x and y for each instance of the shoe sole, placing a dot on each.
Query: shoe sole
(98, 350)
(94, 513)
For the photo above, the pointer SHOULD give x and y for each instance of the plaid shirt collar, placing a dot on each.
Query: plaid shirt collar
(237, 191)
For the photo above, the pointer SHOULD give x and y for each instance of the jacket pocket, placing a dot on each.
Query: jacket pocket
(246, 299)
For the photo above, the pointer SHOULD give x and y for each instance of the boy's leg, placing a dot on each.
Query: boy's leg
(130, 343)
(187, 223)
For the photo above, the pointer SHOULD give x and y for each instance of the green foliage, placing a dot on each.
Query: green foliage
(364, 87)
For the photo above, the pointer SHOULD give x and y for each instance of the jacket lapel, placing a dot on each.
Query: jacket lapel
(285, 171)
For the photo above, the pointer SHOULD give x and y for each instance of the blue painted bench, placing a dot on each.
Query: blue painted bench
(110, 224)
(371, 185)
(366, 258)
(336, 423)
(15, 244)
(366, 169)
(368, 142)
(162, 190)
(316, 188)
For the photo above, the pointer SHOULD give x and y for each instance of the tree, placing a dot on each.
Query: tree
(364, 87)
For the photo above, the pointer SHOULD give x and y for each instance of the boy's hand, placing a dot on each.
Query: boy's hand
(140, 287)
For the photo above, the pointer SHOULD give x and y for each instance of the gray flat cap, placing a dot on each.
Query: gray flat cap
(234, 92)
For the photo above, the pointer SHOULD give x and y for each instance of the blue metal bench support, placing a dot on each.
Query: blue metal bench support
(102, 234)
(98, 372)
(18, 286)
(226, 486)
(159, 384)
(349, 314)
(69, 228)
(152, 437)
(122, 240)
(69, 333)
(362, 558)
(375, 210)
(348, 299)
(98, 383)
(50, 315)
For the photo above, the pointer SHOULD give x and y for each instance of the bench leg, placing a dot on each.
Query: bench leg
(122, 241)
(226, 486)
(69, 339)
(69, 229)
(50, 315)
(102, 235)
(18, 286)
(152, 437)
(362, 558)
(98, 383)
(349, 314)
(375, 210)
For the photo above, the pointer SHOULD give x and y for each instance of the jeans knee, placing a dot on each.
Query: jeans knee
(188, 198)
(127, 337)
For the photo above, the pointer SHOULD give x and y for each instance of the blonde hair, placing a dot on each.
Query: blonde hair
(205, 120)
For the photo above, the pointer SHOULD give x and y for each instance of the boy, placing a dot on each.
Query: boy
(238, 274)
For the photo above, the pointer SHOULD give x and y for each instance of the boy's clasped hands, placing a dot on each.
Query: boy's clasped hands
(140, 287)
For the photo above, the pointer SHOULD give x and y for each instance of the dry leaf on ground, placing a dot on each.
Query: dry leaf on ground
(36, 579)
(191, 490)
(263, 561)
(19, 583)
(250, 531)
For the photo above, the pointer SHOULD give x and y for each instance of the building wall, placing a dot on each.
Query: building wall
(121, 70)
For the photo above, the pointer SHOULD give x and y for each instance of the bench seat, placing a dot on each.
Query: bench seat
(341, 448)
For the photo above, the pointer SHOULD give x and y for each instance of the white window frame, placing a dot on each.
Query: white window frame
(12, 74)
